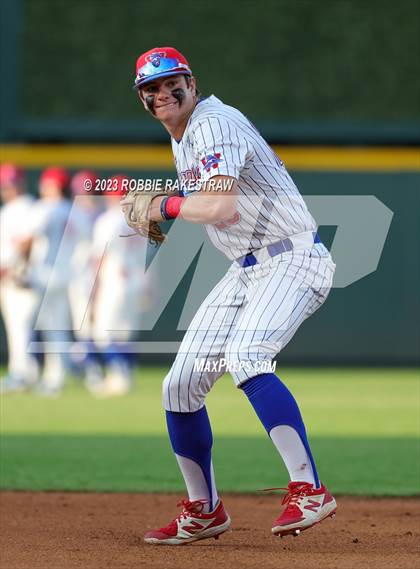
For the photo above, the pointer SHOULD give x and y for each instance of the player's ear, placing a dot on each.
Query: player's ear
(190, 81)
(192, 84)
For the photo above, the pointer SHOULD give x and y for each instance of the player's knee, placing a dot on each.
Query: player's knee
(185, 387)
(178, 386)
(170, 390)
(251, 350)
(245, 361)
(236, 353)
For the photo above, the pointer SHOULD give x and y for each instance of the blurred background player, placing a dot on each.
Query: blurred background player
(86, 208)
(120, 288)
(50, 245)
(17, 299)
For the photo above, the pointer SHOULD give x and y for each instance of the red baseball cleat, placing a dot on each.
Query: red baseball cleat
(192, 524)
(305, 507)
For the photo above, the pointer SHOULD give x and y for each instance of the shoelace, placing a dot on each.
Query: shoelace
(188, 507)
(194, 507)
(293, 495)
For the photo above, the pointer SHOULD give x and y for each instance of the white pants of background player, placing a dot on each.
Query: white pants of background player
(83, 351)
(116, 320)
(54, 324)
(18, 308)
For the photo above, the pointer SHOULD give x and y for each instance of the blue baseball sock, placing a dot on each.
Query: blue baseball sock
(191, 438)
(275, 406)
(117, 353)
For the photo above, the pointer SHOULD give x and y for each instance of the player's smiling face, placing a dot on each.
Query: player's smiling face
(170, 99)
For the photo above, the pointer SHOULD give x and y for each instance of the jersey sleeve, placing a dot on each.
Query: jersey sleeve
(219, 148)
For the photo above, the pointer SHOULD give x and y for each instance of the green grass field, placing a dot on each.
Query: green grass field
(363, 426)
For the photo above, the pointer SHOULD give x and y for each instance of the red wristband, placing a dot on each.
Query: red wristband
(173, 206)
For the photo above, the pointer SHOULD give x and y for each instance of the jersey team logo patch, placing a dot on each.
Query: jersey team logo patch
(211, 161)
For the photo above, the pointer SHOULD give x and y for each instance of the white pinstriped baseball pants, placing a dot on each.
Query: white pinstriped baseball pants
(250, 315)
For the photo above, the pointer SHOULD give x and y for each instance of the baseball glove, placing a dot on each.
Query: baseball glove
(135, 206)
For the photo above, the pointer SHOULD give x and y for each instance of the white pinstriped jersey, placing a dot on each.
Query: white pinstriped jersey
(220, 140)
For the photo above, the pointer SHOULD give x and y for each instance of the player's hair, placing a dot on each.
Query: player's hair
(188, 82)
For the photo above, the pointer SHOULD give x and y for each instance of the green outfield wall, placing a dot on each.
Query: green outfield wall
(304, 71)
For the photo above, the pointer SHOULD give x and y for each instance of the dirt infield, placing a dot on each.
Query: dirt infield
(98, 531)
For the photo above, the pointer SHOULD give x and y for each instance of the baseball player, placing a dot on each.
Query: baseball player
(17, 299)
(87, 206)
(119, 289)
(281, 273)
(52, 240)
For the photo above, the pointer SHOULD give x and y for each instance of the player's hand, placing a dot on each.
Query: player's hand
(154, 210)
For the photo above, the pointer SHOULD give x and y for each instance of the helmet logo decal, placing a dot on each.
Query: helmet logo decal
(155, 57)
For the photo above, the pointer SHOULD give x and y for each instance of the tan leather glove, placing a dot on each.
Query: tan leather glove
(135, 206)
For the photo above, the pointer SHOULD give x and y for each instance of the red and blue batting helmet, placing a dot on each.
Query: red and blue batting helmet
(10, 174)
(82, 182)
(160, 62)
(55, 174)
